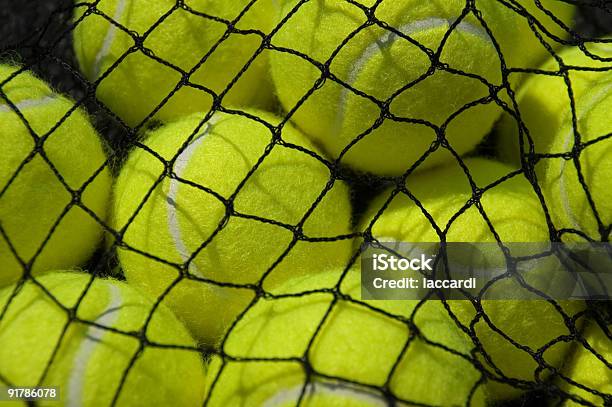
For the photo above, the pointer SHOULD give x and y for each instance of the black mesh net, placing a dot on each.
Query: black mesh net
(186, 188)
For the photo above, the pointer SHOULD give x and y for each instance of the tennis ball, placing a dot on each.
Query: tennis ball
(569, 198)
(524, 49)
(95, 357)
(207, 213)
(337, 350)
(544, 100)
(590, 369)
(546, 111)
(49, 155)
(134, 79)
(516, 216)
(372, 64)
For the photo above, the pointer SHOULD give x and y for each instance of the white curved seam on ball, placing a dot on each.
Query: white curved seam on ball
(27, 104)
(108, 39)
(386, 40)
(565, 198)
(173, 191)
(91, 342)
(293, 394)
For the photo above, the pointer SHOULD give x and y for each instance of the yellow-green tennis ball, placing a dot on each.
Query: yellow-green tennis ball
(47, 148)
(562, 11)
(587, 369)
(359, 347)
(544, 100)
(224, 225)
(95, 357)
(545, 108)
(134, 81)
(517, 216)
(569, 199)
(524, 49)
(378, 63)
